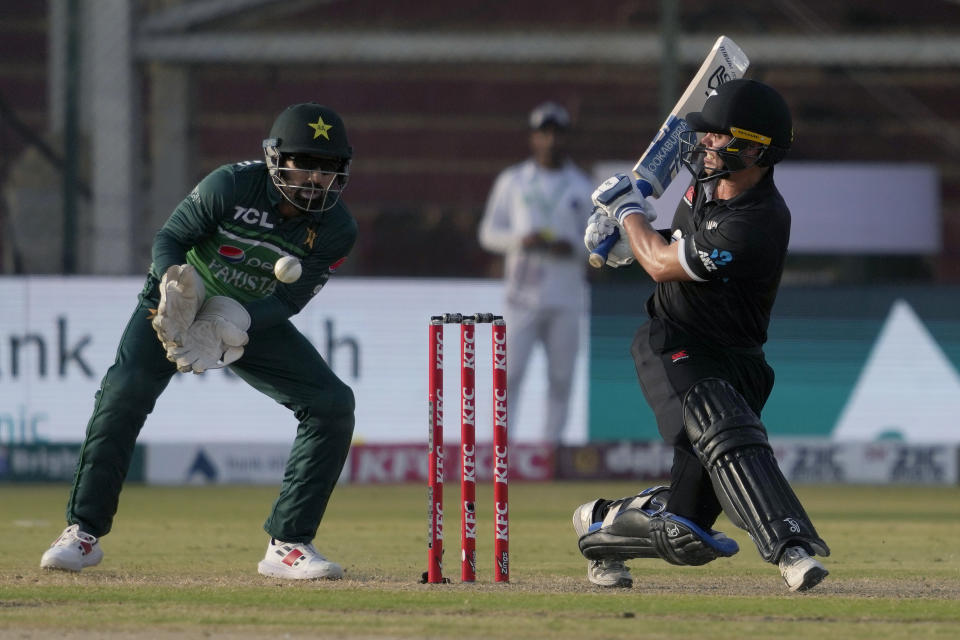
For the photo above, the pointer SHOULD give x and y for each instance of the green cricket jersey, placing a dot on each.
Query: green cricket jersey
(229, 229)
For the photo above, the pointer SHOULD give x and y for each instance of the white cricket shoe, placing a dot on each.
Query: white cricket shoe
(799, 570)
(297, 561)
(72, 551)
(609, 573)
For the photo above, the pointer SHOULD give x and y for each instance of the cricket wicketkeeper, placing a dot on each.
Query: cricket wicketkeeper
(700, 357)
(211, 300)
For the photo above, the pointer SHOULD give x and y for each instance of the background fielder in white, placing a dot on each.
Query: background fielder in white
(535, 216)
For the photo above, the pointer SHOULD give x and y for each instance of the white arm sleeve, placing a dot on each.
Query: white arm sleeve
(496, 228)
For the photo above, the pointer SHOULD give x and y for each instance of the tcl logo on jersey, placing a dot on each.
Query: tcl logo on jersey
(231, 254)
(715, 258)
(252, 216)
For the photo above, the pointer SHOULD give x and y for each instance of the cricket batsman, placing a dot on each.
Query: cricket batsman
(211, 300)
(699, 358)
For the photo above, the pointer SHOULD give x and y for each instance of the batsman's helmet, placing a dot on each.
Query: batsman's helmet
(750, 111)
(315, 137)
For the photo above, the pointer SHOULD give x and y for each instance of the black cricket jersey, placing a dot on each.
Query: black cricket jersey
(735, 251)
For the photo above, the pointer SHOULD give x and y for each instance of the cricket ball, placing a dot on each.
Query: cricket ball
(287, 269)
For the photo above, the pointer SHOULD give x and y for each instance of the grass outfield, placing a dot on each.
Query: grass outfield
(181, 562)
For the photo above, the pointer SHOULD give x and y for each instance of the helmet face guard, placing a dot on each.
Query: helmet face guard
(308, 156)
(312, 184)
(736, 154)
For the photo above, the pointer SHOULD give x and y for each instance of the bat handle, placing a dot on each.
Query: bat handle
(598, 257)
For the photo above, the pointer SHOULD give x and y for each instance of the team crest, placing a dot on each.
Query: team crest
(320, 128)
(311, 237)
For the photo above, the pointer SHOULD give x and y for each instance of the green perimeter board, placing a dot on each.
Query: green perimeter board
(819, 341)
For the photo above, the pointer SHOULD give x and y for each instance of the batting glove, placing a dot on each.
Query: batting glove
(619, 198)
(599, 227)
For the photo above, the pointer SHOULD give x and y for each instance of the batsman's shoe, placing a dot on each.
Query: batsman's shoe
(799, 570)
(609, 573)
(297, 561)
(72, 551)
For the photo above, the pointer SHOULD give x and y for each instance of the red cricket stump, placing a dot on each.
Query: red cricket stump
(501, 547)
(435, 455)
(468, 447)
(468, 452)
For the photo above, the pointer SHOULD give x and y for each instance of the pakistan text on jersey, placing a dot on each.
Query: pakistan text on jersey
(242, 280)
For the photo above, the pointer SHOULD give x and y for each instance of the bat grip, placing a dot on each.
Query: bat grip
(598, 257)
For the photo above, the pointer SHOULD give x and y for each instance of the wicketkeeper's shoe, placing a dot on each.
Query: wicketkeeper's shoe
(799, 570)
(609, 573)
(297, 561)
(72, 551)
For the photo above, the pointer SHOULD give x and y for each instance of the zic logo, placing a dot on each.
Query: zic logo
(679, 355)
(715, 258)
(717, 78)
(231, 254)
(793, 524)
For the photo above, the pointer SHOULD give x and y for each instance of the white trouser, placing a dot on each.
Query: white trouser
(558, 330)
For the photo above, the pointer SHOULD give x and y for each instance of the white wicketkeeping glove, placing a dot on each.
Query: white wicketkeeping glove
(181, 294)
(599, 226)
(215, 339)
(619, 197)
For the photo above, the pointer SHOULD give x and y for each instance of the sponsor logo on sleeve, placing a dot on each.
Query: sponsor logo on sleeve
(715, 258)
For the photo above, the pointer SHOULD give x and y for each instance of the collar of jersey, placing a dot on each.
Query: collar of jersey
(754, 195)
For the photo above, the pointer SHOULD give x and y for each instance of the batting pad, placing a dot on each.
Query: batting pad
(731, 442)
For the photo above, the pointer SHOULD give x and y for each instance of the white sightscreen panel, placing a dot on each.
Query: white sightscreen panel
(58, 336)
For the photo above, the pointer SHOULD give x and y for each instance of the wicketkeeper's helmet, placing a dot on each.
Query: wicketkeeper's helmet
(315, 137)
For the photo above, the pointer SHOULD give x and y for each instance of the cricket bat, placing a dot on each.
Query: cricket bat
(659, 164)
